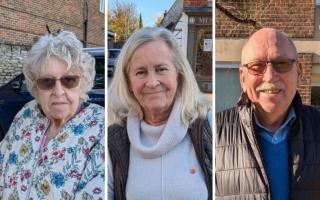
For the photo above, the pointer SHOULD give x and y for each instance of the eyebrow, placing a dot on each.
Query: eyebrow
(280, 58)
(51, 76)
(161, 64)
(139, 68)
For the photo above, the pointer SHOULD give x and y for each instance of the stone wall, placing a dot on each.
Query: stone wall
(12, 57)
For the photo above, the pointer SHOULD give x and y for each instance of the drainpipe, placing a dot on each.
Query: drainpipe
(85, 24)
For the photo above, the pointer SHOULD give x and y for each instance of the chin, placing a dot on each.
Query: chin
(157, 108)
(59, 117)
(270, 108)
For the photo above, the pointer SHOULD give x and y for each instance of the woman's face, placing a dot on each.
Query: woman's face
(58, 103)
(153, 78)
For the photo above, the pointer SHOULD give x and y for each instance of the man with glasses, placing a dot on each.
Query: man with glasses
(267, 146)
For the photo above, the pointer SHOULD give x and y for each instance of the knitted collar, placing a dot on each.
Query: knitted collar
(172, 134)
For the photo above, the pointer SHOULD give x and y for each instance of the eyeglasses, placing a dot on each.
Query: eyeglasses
(68, 81)
(258, 68)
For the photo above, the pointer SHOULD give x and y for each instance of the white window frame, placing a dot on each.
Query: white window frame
(227, 65)
(101, 6)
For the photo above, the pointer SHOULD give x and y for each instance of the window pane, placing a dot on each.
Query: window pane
(101, 7)
(228, 88)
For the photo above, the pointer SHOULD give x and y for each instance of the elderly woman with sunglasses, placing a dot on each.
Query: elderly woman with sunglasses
(54, 148)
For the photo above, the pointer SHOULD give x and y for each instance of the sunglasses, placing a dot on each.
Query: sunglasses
(68, 81)
(258, 68)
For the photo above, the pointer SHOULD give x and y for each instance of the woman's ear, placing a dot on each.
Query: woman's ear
(128, 82)
(129, 86)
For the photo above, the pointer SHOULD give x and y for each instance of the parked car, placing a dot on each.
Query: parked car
(14, 94)
(112, 59)
(98, 54)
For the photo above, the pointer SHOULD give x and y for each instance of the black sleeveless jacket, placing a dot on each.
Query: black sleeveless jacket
(119, 149)
(240, 172)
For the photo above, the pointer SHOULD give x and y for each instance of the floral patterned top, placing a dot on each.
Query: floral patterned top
(70, 166)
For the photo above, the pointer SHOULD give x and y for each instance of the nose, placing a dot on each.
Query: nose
(58, 88)
(152, 80)
(270, 74)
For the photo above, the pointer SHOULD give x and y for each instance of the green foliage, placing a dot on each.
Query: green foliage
(140, 21)
(159, 20)
(122, 19)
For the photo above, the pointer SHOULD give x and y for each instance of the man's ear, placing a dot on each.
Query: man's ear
(300, 72)
(242, 74)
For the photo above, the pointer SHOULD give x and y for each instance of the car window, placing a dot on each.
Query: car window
(99, 79)
(99, 65)
(24, 86)
(113, 54)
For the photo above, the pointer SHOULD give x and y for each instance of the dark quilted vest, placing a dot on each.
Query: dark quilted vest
(240, 171)
(119, 149)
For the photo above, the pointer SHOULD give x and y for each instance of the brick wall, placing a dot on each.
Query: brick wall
(241, 18)
(22, 22)
(95, 25)
(305, 89)
(197, 3)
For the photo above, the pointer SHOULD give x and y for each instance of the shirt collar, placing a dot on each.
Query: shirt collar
(290, 117)
(282, 133)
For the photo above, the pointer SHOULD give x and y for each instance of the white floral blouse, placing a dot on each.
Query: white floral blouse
(70, 166)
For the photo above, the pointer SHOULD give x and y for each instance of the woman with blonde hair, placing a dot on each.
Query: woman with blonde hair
(159, 140)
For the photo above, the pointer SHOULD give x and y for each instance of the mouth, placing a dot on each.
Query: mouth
(271, 91)
(58, 103)
(270, 88)
(155, 92)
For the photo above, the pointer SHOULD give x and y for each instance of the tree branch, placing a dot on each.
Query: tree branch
(237, 19)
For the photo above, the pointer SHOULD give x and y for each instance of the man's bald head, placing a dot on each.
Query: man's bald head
(261, 40)
(272, 90)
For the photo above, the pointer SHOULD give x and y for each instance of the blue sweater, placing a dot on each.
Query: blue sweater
(275, 158)
(275, 155)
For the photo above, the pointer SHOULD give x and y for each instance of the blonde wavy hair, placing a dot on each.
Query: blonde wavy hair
(65, 47)
(120, 100)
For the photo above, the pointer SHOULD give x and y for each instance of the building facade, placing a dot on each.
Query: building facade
(22, 22)
(237, 20)
(191, 23)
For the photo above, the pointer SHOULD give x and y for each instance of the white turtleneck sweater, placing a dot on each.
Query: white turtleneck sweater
(163, 164)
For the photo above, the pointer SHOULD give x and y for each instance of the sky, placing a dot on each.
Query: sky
(149, 9)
